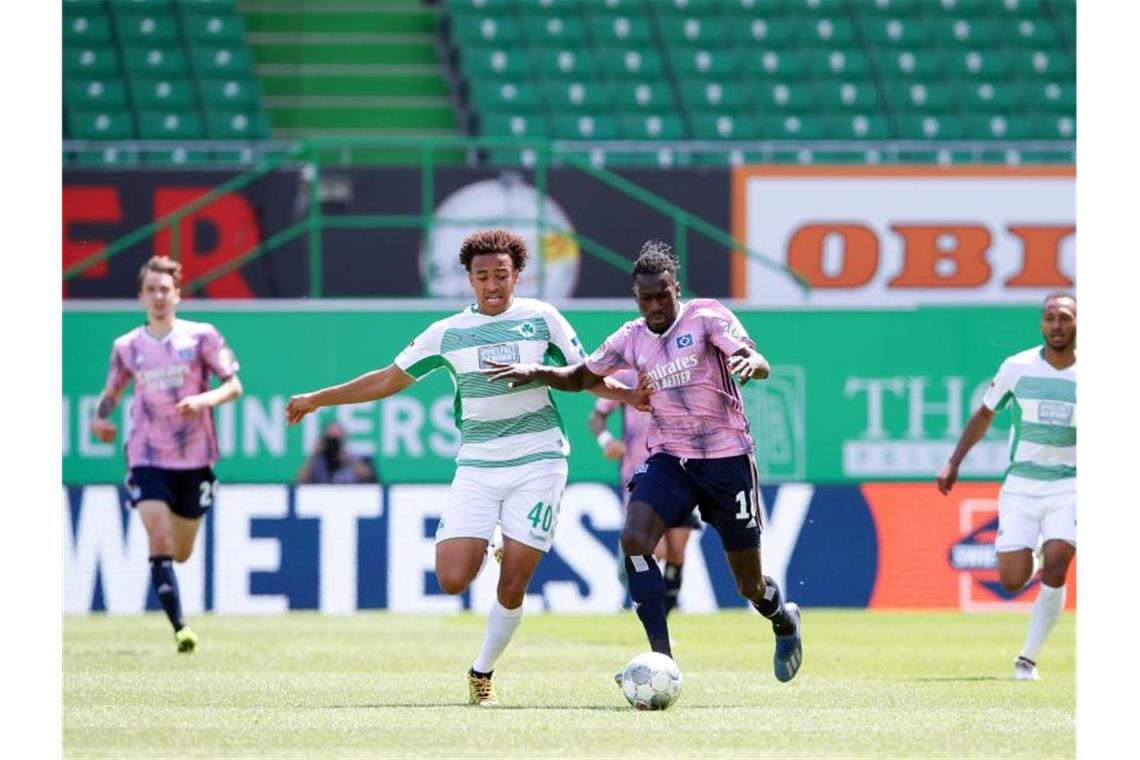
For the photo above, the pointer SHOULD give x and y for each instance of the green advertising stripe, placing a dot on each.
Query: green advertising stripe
(1041, 471)
(1046, 389)
(476, 385)
(474, 431)
(457, 338)
(488, 463)
(1049, 435)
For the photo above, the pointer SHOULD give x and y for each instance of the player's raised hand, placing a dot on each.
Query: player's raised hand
(298, 407)
(104, 430)
(513, 374)
(745, 367)
(947, 476)
(645, 388)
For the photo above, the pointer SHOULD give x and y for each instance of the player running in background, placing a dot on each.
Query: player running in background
(633, 449)
(172, 444)
(511, 467)
(1037, 504)
(701, 451)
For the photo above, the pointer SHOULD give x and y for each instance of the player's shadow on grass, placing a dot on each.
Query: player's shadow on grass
(937, 679)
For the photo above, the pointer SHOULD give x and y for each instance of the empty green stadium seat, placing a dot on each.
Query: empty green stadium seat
(177, 156)
(545, 8)
(214, 29)
(555, 30)
(564, 62)
(770, 64)
(649, 95)
(167, 61)
(520, 97)
(631, 62)
(896, 32)
(110, 156)
(585, 127)
(102, 124)
(162, 94)
(841, 95)
(145, 30)
(659, 126)
(1052, 96)
(790, 127)
(1031, 32)
(835, 62)
(829, 31)
(230, 94)
(771, 31)
(482, 62)
(921, 64)
(863, 126)
(84, 29)
(576, 95)
(605, 8)
(620, 30)
(1054, 127)
(210, 7)
(237, 125)
(931, 96)
(173, 125)
(987, 96)
(783, 96)
(514, 125)
(93, 94)
(815, 8)
(222, 62)
(692, 30)
(723, 126)
(964, 32)
(994, 127)
(73, 8)
(667, 8)
(727, 95)
(925, 126)
(703, 62)
(1053, 63)
(486, 30)
(893, 8)
(90, 61)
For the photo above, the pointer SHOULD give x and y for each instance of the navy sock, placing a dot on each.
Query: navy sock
(647, 589)
(166, 587)
(772, 607)
(672, 586)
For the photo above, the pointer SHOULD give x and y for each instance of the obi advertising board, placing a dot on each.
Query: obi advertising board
(903, 236)
(273, 548)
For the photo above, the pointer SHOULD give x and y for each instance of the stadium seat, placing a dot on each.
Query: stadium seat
(667, 8)
(772, 32)
(631, 62)
(931, 96)
(829, 31)
(702, 62)
(863, 126)
(1053, 96)
(95, 94)
(514, 125)
(604, 8)
(520, 97)
(163, 94)
(576, 95)
(90, 61)
(994, 127)
(547, 8)
(213, 29)
(659, 126)
(102, 124)
(230, 94)
(769, 64)
(723, 126)
(222, 62)
(835, 62)
(647, 95)
(783, 96)
(173, 125)
(585, 127)
(790, 127)
(978, 64)
(237, 125)
(919, 64)
(728, 95)
(842, 95)
(155, 61)
(481, 63)
(564, 62)
(1031, 32)
(896, 33)
(486, 30)
(693, 31)
(144, 29)
(620, 30)
(964, 33)
(925, 126)
(1001, 96)
(1054, 127)
(563, 31)
(109, 156)
(1053, 63)
(84, 29)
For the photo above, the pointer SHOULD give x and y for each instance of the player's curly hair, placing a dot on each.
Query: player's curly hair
(162, 265)
(494, 241)
(656, 257)
(1057, 295)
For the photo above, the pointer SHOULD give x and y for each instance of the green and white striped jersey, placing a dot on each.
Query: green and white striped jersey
(1043, 437)
(499, 426)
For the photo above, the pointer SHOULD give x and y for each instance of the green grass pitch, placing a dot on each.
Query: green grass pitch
(873, 684)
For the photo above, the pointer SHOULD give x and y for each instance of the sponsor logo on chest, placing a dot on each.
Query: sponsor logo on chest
(499, 353)
(1055, 412)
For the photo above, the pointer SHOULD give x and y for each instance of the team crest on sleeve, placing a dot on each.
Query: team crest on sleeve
(684, 341)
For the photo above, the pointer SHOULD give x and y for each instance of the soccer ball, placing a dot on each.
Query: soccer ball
(651, 681)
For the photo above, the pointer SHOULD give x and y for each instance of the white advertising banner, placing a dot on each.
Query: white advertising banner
(904, 236)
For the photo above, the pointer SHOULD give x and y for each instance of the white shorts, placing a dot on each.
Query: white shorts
(1023, 519)
(524, 499)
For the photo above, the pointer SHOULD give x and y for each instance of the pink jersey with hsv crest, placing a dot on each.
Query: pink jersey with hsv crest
(634, 426)
(697, 411)
(166, 370)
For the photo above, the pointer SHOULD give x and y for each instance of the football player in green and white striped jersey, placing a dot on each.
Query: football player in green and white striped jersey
(1038, 500)
(511, 468)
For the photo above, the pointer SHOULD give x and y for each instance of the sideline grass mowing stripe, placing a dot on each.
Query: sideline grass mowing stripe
(378, 684)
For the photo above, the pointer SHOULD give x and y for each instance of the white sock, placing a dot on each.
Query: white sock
(1050, 602)
(501, 625)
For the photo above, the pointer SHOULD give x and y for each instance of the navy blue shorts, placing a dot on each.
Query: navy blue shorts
(188, 493)
(692, 521)
(724, 490)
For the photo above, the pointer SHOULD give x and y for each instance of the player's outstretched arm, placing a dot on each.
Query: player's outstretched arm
(975, 430)
(747, 364)
(370, 386)
(575, 377)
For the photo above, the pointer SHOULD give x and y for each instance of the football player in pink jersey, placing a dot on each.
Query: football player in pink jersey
(172, 444)
(688, 354)
(632, 448)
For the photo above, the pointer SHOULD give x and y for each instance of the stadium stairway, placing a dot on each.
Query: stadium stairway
(349, 68)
